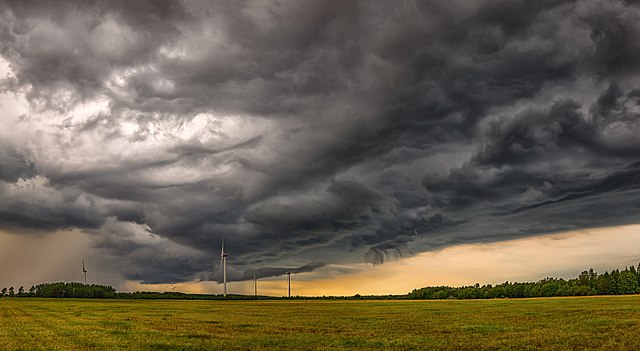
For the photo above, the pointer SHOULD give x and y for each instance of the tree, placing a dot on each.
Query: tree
(11, 293)
(21, 291)
(615, 282)
(588, 278)
(628, 283)
(75, 290)
(604, 286)
(549, 288)
(4, 291)
(32, 290)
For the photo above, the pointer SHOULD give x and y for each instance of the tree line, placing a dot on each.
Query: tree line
(96, 291)
(616, 282)
(62, 289)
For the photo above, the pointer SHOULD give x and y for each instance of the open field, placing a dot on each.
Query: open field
(593, 323)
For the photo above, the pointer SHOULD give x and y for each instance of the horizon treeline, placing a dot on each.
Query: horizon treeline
(71, 290)
(616, 282)
(587, 283)
(96, 291)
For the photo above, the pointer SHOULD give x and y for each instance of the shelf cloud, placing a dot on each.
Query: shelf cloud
(310, 133)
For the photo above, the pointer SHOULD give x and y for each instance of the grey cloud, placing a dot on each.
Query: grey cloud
(320, 131)
(14, 165)
(80, 42)
(268, 272)
(537, 134)
(395, 248)
(614, 32)
(33, 204)
(344, 204)
(627, 179)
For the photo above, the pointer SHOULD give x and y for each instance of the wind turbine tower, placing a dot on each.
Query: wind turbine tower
(289, 278)
(223, 261)
(255, 287)
(84, 273)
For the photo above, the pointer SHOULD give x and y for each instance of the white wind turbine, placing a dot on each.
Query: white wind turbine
(223, 263)
(84, 273)
(289, 278)
(255, 287)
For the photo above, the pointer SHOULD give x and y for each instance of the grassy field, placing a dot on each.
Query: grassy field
(596, 323)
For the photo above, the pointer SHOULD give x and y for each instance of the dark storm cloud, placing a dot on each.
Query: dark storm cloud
(267, 272)
(315, 131)
(14, 165)
(394, 248)
(343, 205)
(79, 43)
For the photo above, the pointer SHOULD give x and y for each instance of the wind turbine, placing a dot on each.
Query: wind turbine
(84, 272)
(223, 263)
(255, 287)
(289, 278)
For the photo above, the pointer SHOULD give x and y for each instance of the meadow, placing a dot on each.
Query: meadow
(570, 323)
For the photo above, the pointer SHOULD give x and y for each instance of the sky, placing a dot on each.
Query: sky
(348, 142)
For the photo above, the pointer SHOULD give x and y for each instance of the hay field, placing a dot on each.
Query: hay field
(592, 323)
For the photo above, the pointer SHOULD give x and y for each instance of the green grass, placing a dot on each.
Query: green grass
(596, 323)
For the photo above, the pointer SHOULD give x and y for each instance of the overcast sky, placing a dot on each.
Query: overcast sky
(312, 134)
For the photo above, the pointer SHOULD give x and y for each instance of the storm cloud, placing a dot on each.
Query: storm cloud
(310, 133)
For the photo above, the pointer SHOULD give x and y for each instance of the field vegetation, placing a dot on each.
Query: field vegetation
(567, 323)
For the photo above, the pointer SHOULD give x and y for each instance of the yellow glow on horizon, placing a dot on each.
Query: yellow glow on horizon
(27, 260)
(529, 259)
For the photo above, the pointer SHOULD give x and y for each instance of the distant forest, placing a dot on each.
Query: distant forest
(587, 283)
(79, 290)
(617, 282)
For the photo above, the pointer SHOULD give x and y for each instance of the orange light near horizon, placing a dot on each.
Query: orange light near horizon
(30, 260)
(562, 255)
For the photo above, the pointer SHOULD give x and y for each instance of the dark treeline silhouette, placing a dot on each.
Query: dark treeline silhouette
(72, 290)
(184, 296)
(79, 290)
(587, 283)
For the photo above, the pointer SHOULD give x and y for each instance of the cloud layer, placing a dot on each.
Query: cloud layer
(314, 132)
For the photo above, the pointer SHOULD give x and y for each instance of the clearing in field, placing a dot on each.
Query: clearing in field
(594, 323)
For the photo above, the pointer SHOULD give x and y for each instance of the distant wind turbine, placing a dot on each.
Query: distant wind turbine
(223, 263)
(84, 273)
(289, 278)
(255, 286)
